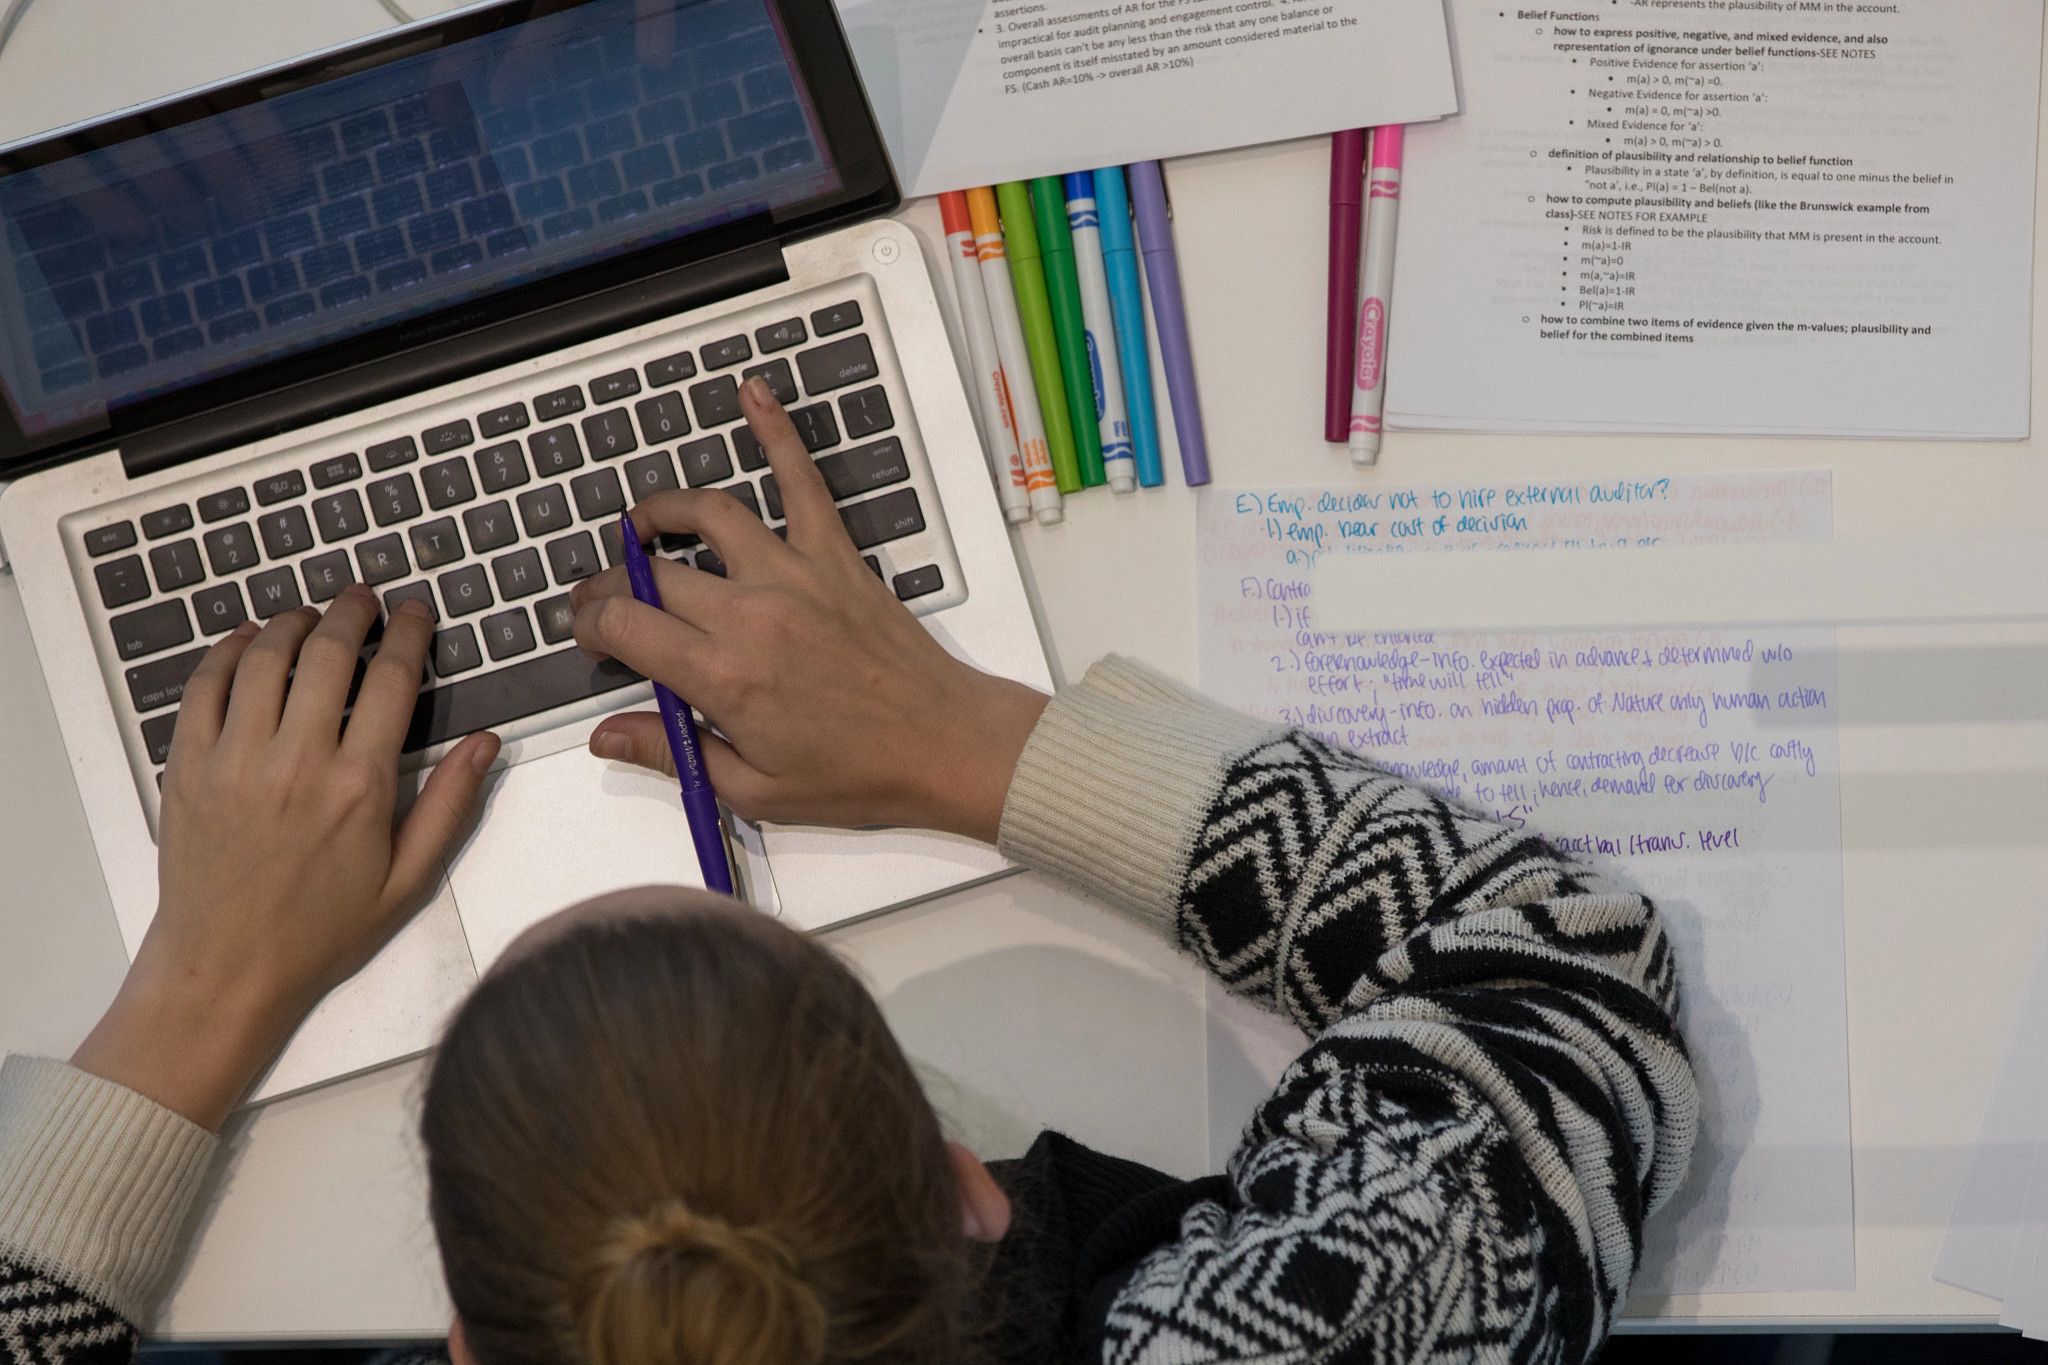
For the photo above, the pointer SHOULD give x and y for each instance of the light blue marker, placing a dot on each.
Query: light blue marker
(1127, 305)
(1112, 419)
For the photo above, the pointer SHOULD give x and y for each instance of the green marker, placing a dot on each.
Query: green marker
(1020, 244)
(1069, 328)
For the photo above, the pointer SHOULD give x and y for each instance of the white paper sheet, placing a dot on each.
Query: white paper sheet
(1742, 220)
(970, 92)
(1701, 765)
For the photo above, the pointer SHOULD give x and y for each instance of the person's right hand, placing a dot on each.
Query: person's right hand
(835, 706)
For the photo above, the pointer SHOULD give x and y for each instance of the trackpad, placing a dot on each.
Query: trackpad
(559, 830)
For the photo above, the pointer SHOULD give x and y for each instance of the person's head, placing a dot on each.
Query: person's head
(667, 1130)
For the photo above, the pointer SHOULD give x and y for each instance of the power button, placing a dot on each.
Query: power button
(886, 251)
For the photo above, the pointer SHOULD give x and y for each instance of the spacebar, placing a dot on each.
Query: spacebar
(458, 708)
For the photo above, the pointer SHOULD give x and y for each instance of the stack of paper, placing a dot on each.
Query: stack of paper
(1997, 1242)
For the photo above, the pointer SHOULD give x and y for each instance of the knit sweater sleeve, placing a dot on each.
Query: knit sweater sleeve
(96, 1185)
(1495, 1094)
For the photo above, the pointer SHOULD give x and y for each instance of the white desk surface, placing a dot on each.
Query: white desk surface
(1028, 1005)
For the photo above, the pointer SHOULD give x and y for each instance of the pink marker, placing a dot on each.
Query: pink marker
(1383, 216)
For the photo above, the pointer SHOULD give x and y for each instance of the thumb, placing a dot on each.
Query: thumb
(638, 738)
(438, 816)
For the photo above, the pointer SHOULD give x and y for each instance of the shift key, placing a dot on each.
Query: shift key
(889, 517)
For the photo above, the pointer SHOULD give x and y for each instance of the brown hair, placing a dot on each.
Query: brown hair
(688, 1138)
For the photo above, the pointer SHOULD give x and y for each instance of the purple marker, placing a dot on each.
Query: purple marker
(1162, 273)
(700, 802)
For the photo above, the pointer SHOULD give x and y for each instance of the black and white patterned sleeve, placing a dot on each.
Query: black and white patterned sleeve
(1495, 1093)
(45, 1322)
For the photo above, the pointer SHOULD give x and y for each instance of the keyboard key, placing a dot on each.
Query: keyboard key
(572, 557)
(709, 562)
(498, 421)
(466, 590)
(501, 466)
(557, 617)
(743, 492)
(519, 574)
(837, 317)
(272, 592)
(511, 693)
(276, 488)
(889, 517)
(391, 454)
(651, 474)
(229, 502)
(508, 634)
(157, 733)
(176, 565)
(716, 401)
(154, 628)
(865, 412)
(219, 609)
(337, 469)
(609, 434)
(670, 369)
(917, 582)
(612, 543)
(559, 403)
(285, 532)
(412, 592)
(327, 575)
(544, 510)
(161, 682)
(455, 652)
(167, 521)
(663, 418)
(817, 426)
(598, 494)
(780, 336)
(122, 581)
(435, 543)
(610, 388)
(874, 564)
(394, 500)
(748, 449)
(448, 436)
(849, 473)
(834, 366)
(554, 451)
(781, 382)
(730, 351)
(383, 558)
(490, 527)
(339, 516)
(104, 540)
(231, 548)
(705, 461)
(448, 484)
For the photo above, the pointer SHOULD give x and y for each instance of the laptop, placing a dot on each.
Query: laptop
(426, 312)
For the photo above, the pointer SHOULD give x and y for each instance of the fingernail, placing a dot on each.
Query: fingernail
(412, 606)
(362, 590)
(756, 388)
(610, 744)
(486, 751)
(247, 628)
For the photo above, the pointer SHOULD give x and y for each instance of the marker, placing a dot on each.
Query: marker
(1034, 311)
(998, 433)
(1369, 384)
(1127, 303)
(1069, 324)
(1112, 420)
(1015, 358)
(1340, 344)
(700, 802)
(1169, 310)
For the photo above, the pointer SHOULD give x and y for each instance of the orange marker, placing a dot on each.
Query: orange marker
(1015, 360)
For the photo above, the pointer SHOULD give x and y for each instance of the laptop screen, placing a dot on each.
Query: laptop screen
(280, 217)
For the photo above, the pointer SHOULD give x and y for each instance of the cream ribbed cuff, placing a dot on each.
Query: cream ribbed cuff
(95, 1182)
(1115, 780)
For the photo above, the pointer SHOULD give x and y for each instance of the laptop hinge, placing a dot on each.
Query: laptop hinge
(454, 356)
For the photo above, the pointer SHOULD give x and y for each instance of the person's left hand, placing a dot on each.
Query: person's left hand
(279, 871)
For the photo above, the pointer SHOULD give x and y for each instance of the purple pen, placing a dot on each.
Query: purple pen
(1169, 311)
(700, 802)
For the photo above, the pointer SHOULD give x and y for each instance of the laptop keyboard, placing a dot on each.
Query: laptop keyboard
(490, 510)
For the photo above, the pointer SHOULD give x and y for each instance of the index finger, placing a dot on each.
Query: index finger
(806, 500)
(391, 685)
(740, 537)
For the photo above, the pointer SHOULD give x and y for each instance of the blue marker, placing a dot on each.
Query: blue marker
(1111, 417)
(1127, 303)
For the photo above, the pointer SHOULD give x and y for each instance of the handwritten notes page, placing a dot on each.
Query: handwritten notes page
(1700, 765)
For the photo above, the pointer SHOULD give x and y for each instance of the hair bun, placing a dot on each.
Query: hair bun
(676, 1287)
